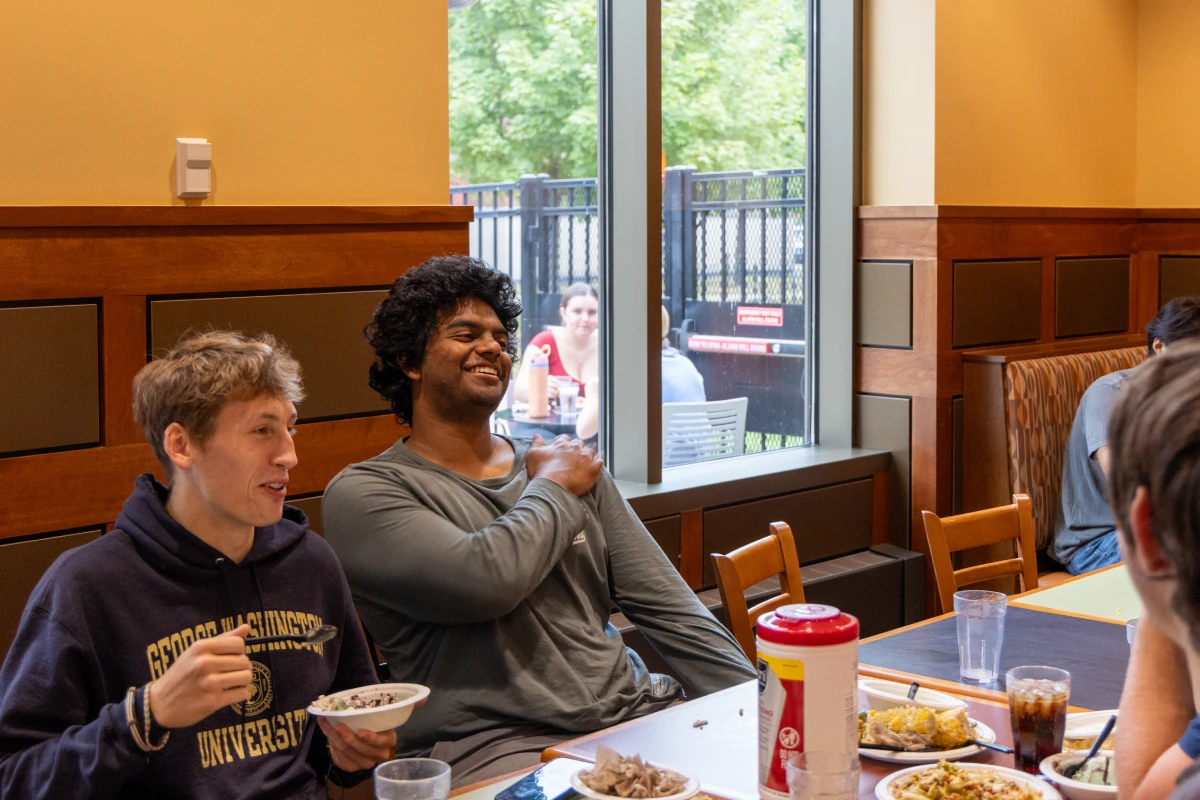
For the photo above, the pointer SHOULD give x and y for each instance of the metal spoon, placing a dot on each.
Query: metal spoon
(1070, 770)
(317, 635)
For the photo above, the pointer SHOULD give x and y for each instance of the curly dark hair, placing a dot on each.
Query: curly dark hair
(403, 323)
(1176, 321)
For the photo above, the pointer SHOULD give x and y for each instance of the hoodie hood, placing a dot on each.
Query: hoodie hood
(176, 551)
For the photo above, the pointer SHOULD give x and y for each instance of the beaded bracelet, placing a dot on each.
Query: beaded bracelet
(146, 714)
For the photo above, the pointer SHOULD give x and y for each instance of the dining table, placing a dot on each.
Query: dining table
(520, 423)
(1078, 624)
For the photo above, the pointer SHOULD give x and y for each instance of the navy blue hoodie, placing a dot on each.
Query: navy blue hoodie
(117, 612)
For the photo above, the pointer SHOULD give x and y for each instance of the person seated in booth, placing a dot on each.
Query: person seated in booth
(574, 346)
(1154, 477)
(487, 567)
(130, 675)
(1085, 537)
(681, 383)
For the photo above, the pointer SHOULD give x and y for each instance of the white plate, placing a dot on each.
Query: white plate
(983, 734)
(690, 789)
(1086, 724)
(1048, 792)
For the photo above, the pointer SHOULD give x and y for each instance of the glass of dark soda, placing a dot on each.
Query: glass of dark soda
(1037, 706)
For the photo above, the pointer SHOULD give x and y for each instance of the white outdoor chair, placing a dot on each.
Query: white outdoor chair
(703, 431)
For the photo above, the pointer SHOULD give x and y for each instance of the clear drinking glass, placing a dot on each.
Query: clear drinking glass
(412, 779)
(1037, 707)
(823, 776)
(568, 397)
(1131, 631)
(980, 617)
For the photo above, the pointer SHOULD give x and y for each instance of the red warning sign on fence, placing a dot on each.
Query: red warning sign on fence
(765, 316)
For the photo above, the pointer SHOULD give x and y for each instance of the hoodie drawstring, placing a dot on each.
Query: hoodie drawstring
(262, 610)
(223, 568)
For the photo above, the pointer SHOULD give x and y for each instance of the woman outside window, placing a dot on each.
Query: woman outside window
(574, 345)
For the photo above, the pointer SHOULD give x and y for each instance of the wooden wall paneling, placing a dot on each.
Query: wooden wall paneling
(997, 302)
(883, 304)
(24, 563)
(898, 239)
(932, 481)
(323, 330)
(1049, 286)
(826, 522)
(931, 296)
(667, 532)
(199, 260)
(1006, 237)
(956, 470)
(693, 558)
(1092, 296)
(124, 345)
(49, 376)
(880, 517)
(311, 506)
(985, 480)
(99, 479)
(1178, 276)
(885, 423)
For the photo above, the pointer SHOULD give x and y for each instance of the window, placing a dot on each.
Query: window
(735, 274)
(523, 145)
(551, 104)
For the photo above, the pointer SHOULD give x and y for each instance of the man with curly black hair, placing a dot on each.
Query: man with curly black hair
(487, 567)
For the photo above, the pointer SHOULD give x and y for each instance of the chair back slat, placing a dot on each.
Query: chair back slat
(975, 529)
(753, 563)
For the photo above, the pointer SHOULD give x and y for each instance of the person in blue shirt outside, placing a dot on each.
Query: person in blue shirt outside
(681, 383)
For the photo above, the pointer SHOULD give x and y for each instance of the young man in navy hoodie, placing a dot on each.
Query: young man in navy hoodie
(130, 675)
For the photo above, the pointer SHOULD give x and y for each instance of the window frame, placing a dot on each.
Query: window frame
(630, 198)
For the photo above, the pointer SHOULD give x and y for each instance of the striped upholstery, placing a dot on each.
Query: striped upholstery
(1042, 395)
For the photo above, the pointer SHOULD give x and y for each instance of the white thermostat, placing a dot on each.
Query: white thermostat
(193, 167)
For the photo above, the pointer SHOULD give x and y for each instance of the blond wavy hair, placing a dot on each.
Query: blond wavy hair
(201, 374)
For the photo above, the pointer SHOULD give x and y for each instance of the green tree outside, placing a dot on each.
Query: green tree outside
(523, 86)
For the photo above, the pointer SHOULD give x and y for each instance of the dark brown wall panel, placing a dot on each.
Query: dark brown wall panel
(311, 506)
(956, 416)
(23, 564)
(825, 522)
(665, 531)
(323, 330)
(996, 302)
(885, 423)
(49, 377)
(883, 295)
(1091, 296)
(1178, 276)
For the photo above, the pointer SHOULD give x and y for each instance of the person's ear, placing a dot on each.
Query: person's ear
(1146, 552)
(413, 374)
(1158, 346)
(179, 446)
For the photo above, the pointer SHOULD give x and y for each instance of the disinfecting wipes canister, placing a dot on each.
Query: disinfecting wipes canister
(807, 689)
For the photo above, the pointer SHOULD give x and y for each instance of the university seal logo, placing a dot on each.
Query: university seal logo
(261, 693)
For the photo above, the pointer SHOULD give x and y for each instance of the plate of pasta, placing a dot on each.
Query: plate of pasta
(965, 782)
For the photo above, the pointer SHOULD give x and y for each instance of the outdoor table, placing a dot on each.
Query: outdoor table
(723, 754)
(1043, 626)
(555, 423)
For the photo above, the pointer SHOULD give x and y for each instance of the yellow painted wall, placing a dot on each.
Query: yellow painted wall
(305, 102)
(898, 102)
(1035, 102)
(1168, 115)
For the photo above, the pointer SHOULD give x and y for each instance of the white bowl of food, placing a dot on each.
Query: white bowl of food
(380, 707)
(616, 776)
(1097, 780)
(939, 780)
(882, 695)
(1083, 727)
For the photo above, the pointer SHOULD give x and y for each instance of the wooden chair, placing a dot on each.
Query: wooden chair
(750, 564)
(977, 529)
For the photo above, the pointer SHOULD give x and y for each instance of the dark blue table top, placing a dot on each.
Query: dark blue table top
(1095, 653)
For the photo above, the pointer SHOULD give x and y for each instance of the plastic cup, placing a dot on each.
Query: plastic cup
(412, 779)
(1037, 707)
(823, 776)
(1131, 631)
(980, 617)
(568, 397)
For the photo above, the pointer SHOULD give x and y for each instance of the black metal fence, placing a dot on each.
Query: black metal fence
(728, 237)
